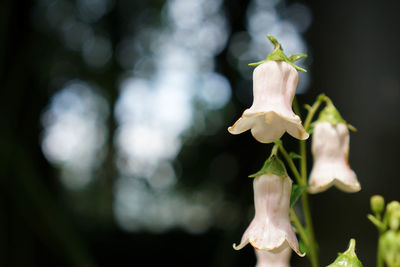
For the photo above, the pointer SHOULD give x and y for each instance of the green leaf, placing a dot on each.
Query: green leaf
(294, 155)
(273, 165)
(297, 190)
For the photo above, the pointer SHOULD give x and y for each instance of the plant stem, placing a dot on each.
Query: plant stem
(303, 172)
(298, 225)
(291, 164)
(379, 258)
(310, 230)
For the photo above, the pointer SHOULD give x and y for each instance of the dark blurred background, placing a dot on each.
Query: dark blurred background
(114, 148)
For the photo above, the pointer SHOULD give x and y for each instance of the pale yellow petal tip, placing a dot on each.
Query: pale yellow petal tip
(305, 136)
(236, 247)
(301, 254)
(231, 130)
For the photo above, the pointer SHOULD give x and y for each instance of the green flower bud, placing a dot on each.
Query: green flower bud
(347, 258)
(389, 245)
(393, 215)
(377, 204)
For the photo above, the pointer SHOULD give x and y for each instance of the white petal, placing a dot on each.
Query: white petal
(330, 146)
(271, 114)
(270, 259)
(271, 229)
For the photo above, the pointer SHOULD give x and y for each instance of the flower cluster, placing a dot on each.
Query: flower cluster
(270, 116)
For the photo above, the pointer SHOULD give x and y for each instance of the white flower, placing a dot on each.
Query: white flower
(271, 229)
(330, 147)
(274, 86)
(270, 259)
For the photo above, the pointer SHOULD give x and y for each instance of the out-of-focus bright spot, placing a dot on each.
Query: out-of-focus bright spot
(75, 33)
(93, 10)
(197, 219)
(261, 21)
(143, 148)
(186, 14)
(134, 99)
(154, 112)
(239, 44)
(172, 104)
(137, 207)
(164, 176)
(199, 25)
(74, 130)
(269, 3)
(173, 57)
(300, 16)
(215, 90)
(97, 51)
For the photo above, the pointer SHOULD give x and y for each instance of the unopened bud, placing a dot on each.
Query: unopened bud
(347, 258)
(389, 245)
(393, 213)
(377, 204)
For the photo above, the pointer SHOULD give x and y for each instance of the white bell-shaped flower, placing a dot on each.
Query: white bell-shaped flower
(274, 87)
(270, 229)
(270, 259)
(330, 148)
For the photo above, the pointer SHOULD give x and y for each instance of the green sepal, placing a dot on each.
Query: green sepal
(273, 165)
(296, 57)
(347, 258)
(297, 190)
(278, 55)
(331, 114)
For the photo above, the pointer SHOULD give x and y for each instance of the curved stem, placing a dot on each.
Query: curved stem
(313, 109)
(298, 225)
(291, 164)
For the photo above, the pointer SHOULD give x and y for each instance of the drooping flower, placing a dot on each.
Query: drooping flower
(270, 259)
(270, 229)
(330, 148)
(274, 87)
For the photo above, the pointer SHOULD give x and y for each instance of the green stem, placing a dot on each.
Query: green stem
(310, 230)
(313, 109)
(298, 225)
(379, 258)
(291, 164)
(303, 172)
